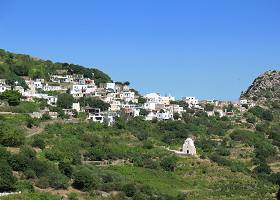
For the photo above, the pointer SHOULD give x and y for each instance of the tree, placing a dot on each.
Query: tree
(143, 112)
(168, 163)
(65, 168)
(7, 180)
(13, 97)
(142, 100)
(176, 116)
(11, 136)
(129, 189)
(83, 179)
(94, 102)
(209, 107)
(65, 101)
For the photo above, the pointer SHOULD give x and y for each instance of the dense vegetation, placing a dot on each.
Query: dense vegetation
(238, 157)
(130, 157)
(14, 66)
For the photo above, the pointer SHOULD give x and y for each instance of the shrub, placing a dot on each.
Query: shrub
(168, 163)
(38, 142)
(24, 186)
(83, 179)
(65, 168)
(7, 180)
(129, 189)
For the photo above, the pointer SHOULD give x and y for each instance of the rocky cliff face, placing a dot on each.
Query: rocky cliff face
(265, 88)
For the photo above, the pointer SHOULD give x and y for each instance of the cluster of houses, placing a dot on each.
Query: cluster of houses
(120, 97)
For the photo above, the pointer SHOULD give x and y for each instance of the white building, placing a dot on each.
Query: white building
(189, 147)
(48, 88)
(2, 81)
(176, 108)
(3, 88)
(150, 106)
(166, 115)
(128, 96)
(51, 100)
(153, 97)
(38, 84)
(96, 116)
(115, 106)
(167, 99)
(76, 106)
(151, 116)
(192, 101)
(20, 89)
(82, 90)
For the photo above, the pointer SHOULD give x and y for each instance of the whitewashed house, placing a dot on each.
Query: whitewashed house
(20, 89)
(115, 105)
(51, 100)
(2, 81)
(150, 106)
(166, 115)
(82, 90)
(192, 101)
(3, 88)
(95, 115)
(167, 99)
(38, 84)
(153, 97)
(48, 88)
(176, 108)
(152, 115)
(189, 147)
(76, 106)
(128, 96)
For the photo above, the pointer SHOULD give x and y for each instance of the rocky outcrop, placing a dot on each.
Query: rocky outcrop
(265, 88)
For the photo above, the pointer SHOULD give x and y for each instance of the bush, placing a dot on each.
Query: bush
(263, 168)
(58, 180)
(168, 163)
(7, 180)
(38, 142)
(11, 136)
(129, 189)
(24, 186)
(42, 182)
(65, 168)
(83, 179)
(65, 101)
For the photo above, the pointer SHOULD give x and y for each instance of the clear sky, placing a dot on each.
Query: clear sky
(204, 48)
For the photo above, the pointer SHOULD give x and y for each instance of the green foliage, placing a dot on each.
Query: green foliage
(10, 135)
(263, 148)
(209, 107)
(168, 163)
(261, 113)
(84, 179)
(94, 103)
(11, 96)
(65, 168)
(38, 142)
(143, 112)
(15, 65)
(65, 101)
(24, 186)
(129, 190)
(7, 180)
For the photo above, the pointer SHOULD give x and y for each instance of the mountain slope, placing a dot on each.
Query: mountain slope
(265, 88)
(13, 66)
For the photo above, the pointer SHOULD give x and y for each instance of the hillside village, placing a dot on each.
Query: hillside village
(120, 98)
(71, 132)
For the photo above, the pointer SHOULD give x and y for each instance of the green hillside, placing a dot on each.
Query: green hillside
(237, 157)
(13, 66)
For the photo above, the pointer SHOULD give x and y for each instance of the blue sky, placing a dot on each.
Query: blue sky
(209, 49)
